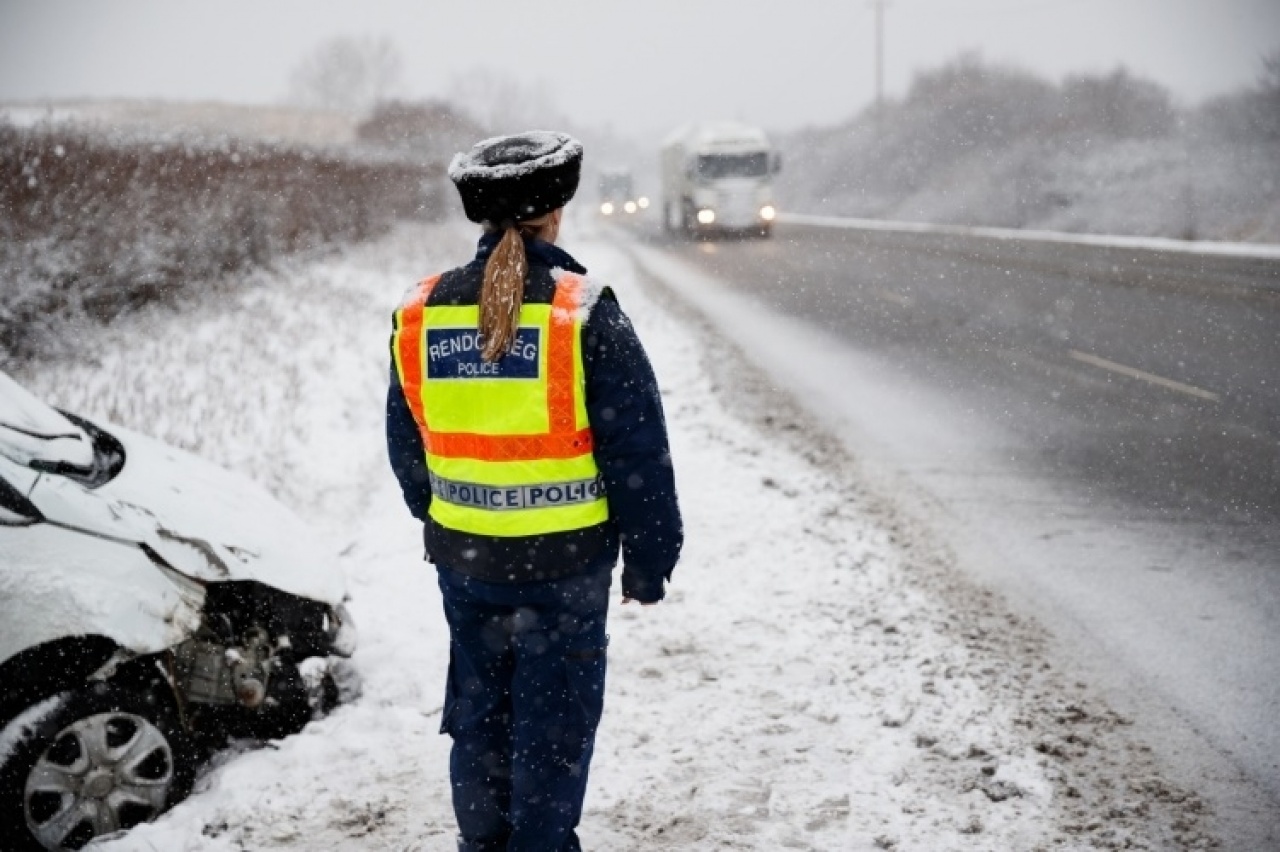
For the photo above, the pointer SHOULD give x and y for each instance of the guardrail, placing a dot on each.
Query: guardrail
(1132, 260)
(1224, 249)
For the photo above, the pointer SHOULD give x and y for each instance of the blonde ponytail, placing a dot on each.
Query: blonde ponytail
(502, 294)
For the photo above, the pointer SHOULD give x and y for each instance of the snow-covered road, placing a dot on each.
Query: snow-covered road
(819, 678)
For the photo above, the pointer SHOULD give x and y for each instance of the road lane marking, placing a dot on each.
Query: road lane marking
(1135, 373)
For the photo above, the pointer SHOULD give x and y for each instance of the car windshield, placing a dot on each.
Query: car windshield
(615, 185)
(715, 166)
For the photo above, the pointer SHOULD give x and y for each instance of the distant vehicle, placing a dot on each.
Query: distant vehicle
(718, 177)
(617, 194)
(151, 604)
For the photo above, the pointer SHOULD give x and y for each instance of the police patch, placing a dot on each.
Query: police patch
(454, 353)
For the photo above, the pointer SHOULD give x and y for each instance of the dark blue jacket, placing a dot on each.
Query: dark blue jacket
(631, 450)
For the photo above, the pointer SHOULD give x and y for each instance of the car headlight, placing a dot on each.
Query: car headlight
(607, 208)
(341, 631)
(706, 216)
(768, 213)
(630, 207)
(643, 203)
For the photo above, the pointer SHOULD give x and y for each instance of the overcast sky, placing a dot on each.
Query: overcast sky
(641, 66)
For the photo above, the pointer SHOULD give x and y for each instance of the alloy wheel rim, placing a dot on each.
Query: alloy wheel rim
(100, 774)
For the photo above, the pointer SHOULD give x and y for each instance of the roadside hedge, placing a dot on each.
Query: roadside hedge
(92, 225)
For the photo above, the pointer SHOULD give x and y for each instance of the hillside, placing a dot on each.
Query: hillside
(978, 144)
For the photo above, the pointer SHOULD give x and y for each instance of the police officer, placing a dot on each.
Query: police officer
(525, 428)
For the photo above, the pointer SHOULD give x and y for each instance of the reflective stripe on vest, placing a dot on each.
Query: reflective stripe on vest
(508, 446)
(504, 499)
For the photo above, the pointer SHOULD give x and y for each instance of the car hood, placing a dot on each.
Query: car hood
(206, 522)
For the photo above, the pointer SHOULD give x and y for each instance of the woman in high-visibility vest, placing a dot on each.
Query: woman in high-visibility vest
(526, 430)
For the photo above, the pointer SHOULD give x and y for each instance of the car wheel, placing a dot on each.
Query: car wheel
(100, 760)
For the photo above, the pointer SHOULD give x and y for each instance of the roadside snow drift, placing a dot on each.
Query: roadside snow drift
(817, 679)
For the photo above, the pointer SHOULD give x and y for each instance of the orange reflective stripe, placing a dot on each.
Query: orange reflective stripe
(564, 439)
(561, 415)
(500, 448)
(409, 339)
(425, 286)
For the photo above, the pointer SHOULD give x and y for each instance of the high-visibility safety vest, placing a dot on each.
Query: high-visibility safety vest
(508, 446)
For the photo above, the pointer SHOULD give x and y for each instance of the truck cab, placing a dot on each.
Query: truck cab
(718, 178)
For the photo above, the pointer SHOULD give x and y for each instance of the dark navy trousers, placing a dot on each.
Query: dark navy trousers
(524, 698)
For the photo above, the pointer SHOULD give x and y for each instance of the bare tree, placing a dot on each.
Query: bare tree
(1269, 79)
(348, 73)
(502, 104)
(431, 130)
(1267, 101)
(1118, 104)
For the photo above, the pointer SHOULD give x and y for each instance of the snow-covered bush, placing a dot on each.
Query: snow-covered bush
(1117, 106)
(428, 131)
(92, 225)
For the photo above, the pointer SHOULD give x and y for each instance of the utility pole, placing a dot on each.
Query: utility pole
(879, 6)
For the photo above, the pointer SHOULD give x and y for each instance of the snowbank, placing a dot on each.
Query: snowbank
(816, 680)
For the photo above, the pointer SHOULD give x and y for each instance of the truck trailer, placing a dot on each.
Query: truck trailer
(717, 177)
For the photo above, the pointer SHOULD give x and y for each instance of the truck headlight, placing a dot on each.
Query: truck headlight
(768, 213)
(607, 208)
(630, 207)
(706, 216)
(643, 203)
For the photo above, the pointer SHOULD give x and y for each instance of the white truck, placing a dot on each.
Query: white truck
(617, 192)
(717, 177)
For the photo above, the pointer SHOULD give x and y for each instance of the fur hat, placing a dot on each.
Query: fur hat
(509, 179)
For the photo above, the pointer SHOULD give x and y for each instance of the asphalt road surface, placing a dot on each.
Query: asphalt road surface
(1098, 430)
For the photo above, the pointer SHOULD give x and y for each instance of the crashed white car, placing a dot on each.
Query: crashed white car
(151, 605)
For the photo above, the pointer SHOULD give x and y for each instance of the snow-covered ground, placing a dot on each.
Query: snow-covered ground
(818, 678)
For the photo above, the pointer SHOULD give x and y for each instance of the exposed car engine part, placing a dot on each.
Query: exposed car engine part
(212, 673)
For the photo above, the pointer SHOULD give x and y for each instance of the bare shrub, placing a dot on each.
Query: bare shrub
(92, 226)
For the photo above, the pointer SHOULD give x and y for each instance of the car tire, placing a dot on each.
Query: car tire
(100, 759)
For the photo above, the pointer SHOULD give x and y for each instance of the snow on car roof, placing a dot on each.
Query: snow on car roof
(31, 430)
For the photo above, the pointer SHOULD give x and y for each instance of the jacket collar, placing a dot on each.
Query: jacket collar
(539, 252)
